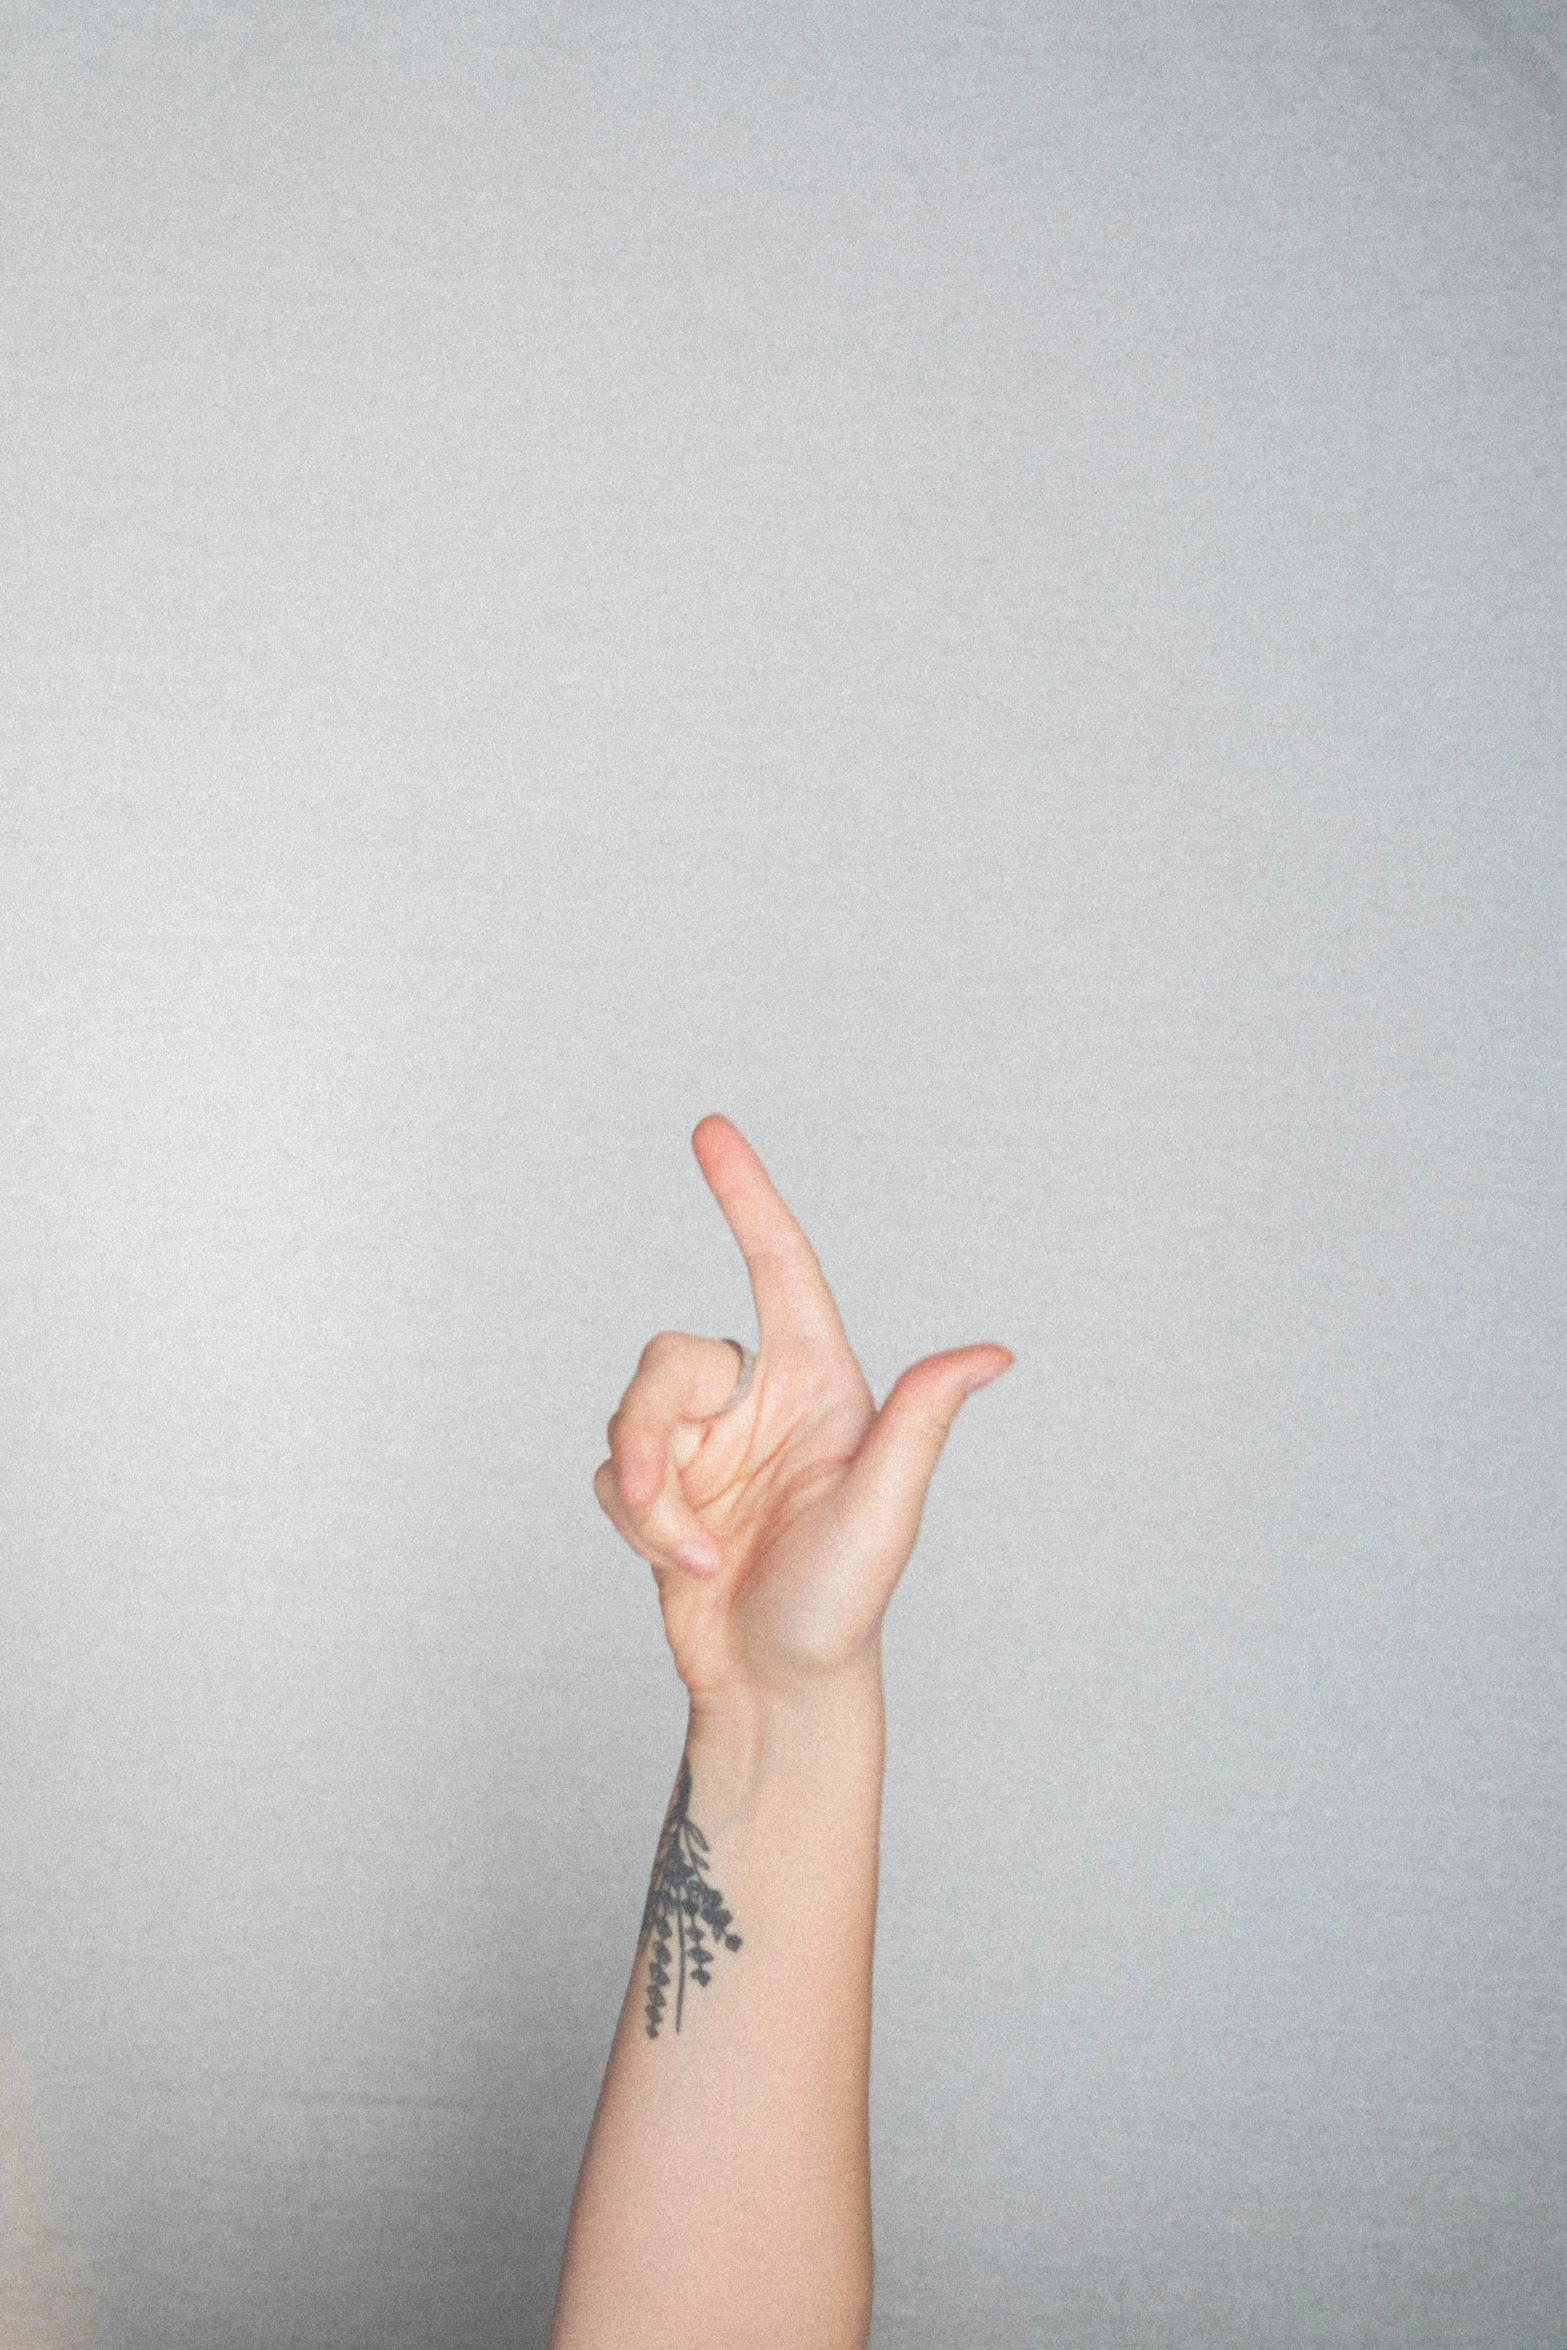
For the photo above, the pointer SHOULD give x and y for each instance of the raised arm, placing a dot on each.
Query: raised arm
(724, 2196)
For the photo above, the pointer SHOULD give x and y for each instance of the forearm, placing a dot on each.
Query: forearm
(724, 2196)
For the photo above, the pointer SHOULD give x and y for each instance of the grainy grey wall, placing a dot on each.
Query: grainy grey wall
(981, 588)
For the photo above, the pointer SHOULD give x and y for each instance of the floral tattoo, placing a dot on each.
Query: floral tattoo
(680, 1904)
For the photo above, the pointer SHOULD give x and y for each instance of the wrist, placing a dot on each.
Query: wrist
(829, 1728)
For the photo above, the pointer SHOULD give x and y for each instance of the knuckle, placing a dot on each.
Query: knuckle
(660, 1347)
(644, 1465)
(630, 1442)
(637, 1537)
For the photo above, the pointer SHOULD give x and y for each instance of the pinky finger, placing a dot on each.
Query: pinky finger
(665, 1534)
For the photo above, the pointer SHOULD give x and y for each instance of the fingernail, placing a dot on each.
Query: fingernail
(701, 1557)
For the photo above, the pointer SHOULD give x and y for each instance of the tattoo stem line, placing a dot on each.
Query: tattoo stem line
(680, 1901)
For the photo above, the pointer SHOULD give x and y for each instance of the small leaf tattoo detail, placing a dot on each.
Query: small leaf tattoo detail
(681, 1908)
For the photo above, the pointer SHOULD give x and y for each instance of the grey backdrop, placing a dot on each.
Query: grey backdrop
(981, 588)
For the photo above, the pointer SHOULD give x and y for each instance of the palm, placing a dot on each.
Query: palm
(763, 1479)
(801, 1485)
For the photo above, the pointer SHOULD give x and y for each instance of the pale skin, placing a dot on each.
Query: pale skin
(724, 2196)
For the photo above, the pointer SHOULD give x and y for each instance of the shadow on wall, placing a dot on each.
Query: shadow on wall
(45, 2300)
(457, 2241)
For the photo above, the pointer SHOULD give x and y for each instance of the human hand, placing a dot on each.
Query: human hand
(777, 1529)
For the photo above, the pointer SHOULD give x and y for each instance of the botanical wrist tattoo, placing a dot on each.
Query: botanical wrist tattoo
(682, 1903)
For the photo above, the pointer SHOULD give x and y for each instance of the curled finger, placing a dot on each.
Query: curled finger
(666, 1531)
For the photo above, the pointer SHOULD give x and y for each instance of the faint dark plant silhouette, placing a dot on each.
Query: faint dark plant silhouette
(681, 1908)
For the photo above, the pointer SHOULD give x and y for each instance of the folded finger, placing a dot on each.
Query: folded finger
(667, 1533)
(679, 1378)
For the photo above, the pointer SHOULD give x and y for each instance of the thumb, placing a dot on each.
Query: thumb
(882, 1497)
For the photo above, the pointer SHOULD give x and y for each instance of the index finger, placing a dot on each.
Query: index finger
(792, 1298)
